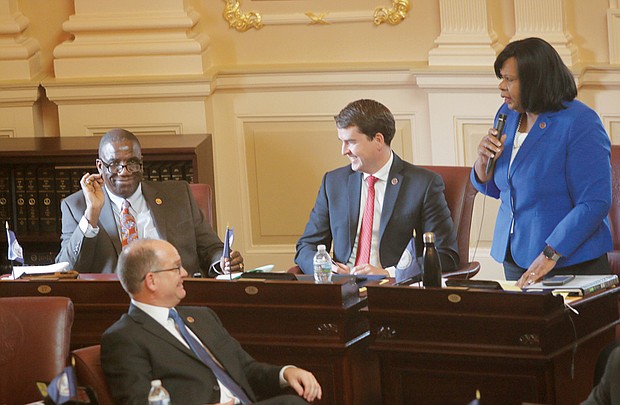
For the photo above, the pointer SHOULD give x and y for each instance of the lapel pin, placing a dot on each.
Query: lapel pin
(158, 201)
(543, 125)
(190, 319)
(394, 181)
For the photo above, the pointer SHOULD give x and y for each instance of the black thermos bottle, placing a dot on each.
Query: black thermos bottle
(432, 264)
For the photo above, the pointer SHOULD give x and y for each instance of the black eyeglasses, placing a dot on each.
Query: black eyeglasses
(117, 167)
(177, 269)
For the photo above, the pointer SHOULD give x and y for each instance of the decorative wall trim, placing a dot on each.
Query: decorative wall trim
(469, 131)
(242, 21)
(7, 132)
(467, 37)
(124, 40)
(137, 129)
(547, 20)
(613, 31)
(611, 122)
(19, 54)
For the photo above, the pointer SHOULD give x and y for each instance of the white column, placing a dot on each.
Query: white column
(131, 38)
(546, 20)
(19, 55)
(467, 38)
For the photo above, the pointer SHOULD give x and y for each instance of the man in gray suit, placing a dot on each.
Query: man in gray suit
(151, 342)
(408, 200)
(91, 218)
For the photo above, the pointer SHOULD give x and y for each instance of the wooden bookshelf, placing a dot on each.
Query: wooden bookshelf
(46, 170)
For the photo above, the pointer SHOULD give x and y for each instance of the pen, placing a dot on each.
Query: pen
(335, 264)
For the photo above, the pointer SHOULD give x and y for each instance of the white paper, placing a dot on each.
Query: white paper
(18, 271)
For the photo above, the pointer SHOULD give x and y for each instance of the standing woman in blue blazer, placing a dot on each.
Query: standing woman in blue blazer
(552, 170)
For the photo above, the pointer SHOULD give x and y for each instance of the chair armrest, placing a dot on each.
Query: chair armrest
(295, 270)
(466, 270)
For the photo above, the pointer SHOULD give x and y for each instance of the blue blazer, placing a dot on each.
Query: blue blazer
(414, 200)
(557, 191)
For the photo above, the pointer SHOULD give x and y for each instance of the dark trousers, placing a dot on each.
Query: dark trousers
(284, 400)
(599, 265)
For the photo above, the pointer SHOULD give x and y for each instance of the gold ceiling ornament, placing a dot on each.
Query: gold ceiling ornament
(394, 15)
(245, 21)
(240, 21)
(317, 18)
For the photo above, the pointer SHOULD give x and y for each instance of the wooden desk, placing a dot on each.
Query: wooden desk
(438, 346)
(317, 327)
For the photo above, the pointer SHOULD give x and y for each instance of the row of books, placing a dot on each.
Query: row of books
(30, 196)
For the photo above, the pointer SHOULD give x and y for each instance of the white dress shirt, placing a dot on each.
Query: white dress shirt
(382, 177)
(138, 208)
(160, 315)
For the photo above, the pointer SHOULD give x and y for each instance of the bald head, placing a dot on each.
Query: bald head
(118, 135)
(151, 272)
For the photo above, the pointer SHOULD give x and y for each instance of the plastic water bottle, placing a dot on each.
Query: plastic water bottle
(158, 394)
(322, 266)
(432, 265)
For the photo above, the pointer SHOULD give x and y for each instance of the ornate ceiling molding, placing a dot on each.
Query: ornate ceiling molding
(242, 21)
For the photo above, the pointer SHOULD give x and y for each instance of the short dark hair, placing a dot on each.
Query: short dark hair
(370, 117)
(134, 263)
(545, 81)
(116, 135)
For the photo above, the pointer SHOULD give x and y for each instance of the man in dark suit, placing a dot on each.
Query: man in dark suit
(91, 218)
(607, 391)
(147, 344)
(408, 201)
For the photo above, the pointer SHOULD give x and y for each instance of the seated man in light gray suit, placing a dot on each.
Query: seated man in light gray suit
(153, 341)
(92, 235)
(408, 200)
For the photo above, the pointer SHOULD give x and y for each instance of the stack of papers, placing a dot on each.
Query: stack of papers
(233, 276)
(19, 271)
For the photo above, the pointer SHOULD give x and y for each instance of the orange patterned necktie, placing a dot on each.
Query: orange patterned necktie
(129, 229)
(365, 238)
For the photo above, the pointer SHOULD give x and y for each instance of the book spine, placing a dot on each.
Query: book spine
(21, 213)
(32, 206)
(165, 172)
(189, 172)
(152, 172)
(176, 171)
(47, 199)
(40, 258)
(76, 176)
(6, 210)
(601, 285)
(62, 181)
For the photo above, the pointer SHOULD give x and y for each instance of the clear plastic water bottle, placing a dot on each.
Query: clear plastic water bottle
(158, 394)
(322, 266)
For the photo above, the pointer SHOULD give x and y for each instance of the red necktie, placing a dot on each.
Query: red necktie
(129, 229)
(365, 237)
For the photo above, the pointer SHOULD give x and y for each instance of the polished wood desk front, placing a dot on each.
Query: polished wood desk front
(438, 346)
(317, 327)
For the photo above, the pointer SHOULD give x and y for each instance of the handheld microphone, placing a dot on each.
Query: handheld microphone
(501, 122)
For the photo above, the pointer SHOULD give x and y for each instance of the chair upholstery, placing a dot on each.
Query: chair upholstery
(614, 216)
(204, 198)
(460, 195)
(35, 334)
(89, 372)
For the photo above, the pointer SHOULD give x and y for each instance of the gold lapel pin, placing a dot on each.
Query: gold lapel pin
(158, 201)
(190, 319)
(394, 181)
(543, 125)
